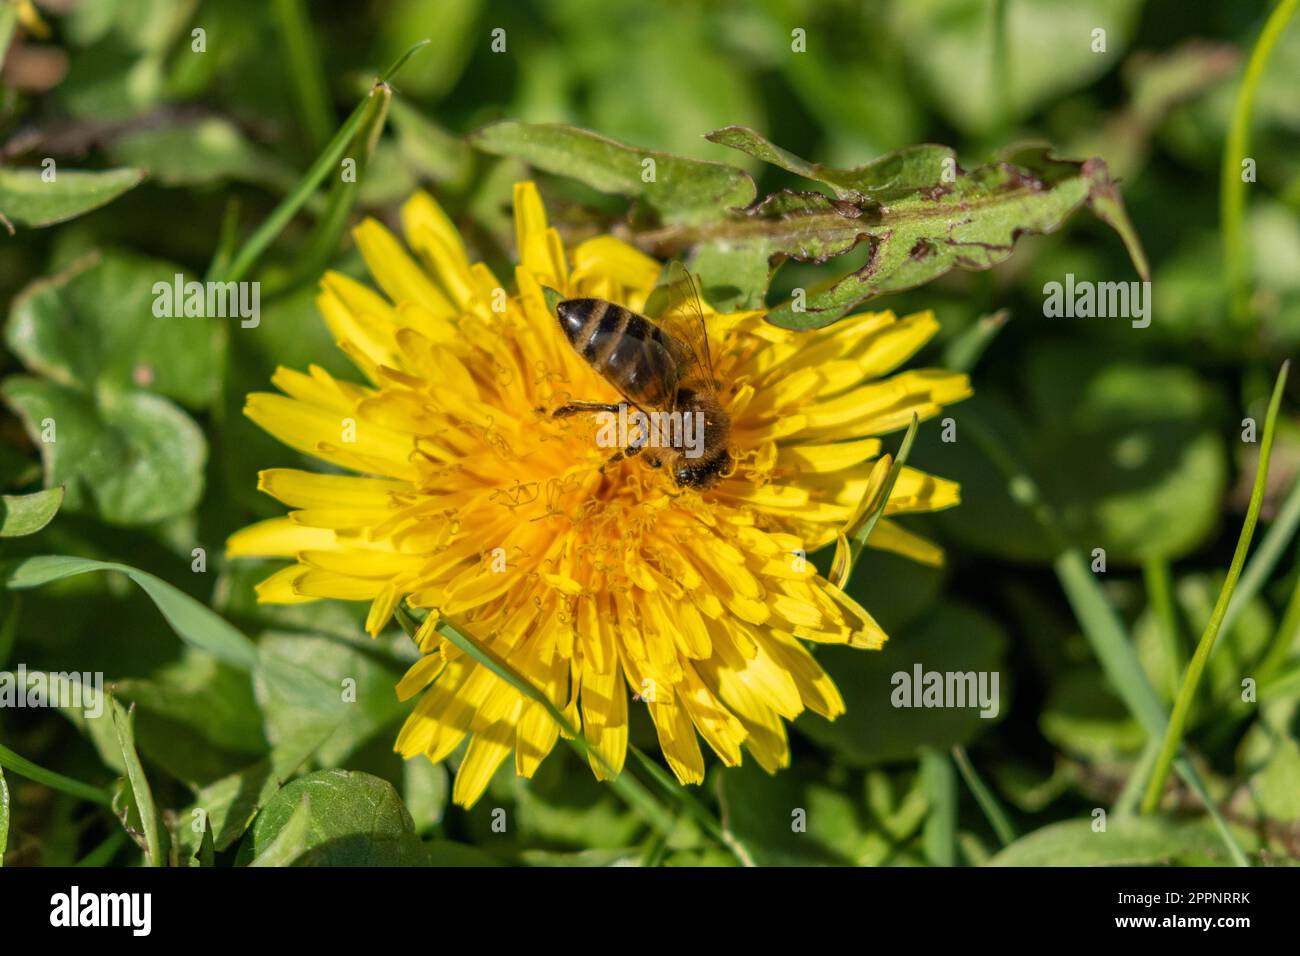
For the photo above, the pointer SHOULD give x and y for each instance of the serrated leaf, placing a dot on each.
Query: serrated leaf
(682, 190)
(28, 200)
(921, 214)
(968, 220)
(891, 177)
(22, 515)
(350, 819)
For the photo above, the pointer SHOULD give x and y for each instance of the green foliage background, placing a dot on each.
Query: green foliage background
(1132, 436)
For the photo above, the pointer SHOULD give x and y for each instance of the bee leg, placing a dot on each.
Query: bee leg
(578, 408)
(628, 452)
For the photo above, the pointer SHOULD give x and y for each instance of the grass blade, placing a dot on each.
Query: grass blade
(342, 195)
(193, 622)
(142, 795)
(694, 808)
(853, 538)
(1280, 648)
(1232, 188)
(103, 854)
(1100, 624)
(1192, 679)
(326, 162)
(1261, 564)
(305, 70)
(964, 351)
(993, 811)
(1155, 572)
(940, 833)
(55, 781)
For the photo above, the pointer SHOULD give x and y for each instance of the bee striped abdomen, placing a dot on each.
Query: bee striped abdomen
(627, 349)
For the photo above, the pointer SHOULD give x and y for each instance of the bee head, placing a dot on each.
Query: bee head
(701, 473)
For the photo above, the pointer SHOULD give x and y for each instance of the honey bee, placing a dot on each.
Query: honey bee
(658, 365)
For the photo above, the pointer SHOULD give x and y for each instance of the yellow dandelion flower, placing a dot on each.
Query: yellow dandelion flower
(590, 579)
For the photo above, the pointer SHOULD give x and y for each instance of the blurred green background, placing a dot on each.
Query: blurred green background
(1134, 435)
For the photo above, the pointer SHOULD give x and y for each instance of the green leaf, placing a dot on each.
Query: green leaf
(350, 819)
(291, 842)
(196, 718)
(1127, 451)
(892, 177)
(304, 682)
(28, 200)
(131, 457)
(682, 191)
(429, 149)
(1083, 716)
(447, 23)
(447, 853)
(563, 805)
(27, 514)
(1126, 841)
(931, 217)
(953, 638)
(939, 838)
(1099, 622)
(92, 327)
(212, 150)
(140, 806)
(227, 806)
(205, 855)
(192, 622)
(793, 819)
(979, 81)
(8, 21)
(425, 791)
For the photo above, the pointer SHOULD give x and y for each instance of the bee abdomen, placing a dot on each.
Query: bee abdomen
(624, 347)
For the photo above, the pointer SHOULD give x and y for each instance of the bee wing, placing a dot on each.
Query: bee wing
(676, 307)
